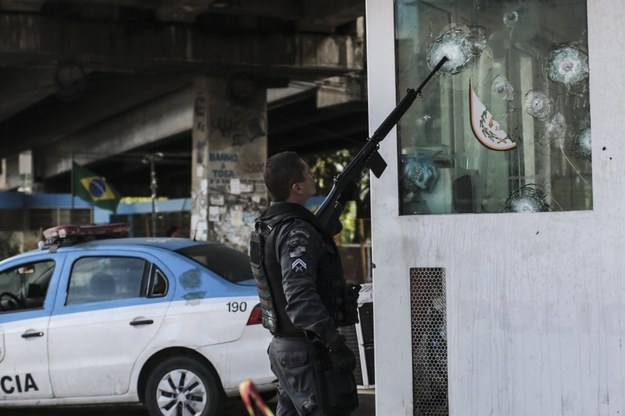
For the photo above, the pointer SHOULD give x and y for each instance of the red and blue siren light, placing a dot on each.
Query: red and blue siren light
(69, 233)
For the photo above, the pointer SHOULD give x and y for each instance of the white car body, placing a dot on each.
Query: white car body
(103, 351)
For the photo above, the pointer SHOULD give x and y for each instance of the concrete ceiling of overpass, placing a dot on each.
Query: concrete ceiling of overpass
(66, 66)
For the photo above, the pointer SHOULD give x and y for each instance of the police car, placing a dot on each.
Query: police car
(168, 322)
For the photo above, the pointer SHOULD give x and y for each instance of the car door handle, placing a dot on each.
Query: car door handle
(141, 321)
(32, 334)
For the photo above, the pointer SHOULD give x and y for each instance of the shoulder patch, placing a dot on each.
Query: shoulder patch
(297, 251)
(299, 232)
(297, 237)
(299, 265)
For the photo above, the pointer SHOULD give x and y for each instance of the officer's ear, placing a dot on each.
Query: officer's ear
(297, 188)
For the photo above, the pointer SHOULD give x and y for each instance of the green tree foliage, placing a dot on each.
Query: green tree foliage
(328, 165)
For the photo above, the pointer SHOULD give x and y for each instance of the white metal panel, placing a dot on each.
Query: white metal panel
(93, 353)
(535, 302)
(202, 322)
(391, 291)
(24, 369)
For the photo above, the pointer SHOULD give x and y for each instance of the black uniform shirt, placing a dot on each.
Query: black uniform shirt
(300, 248)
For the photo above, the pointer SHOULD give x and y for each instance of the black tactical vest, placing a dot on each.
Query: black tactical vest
(331, 285)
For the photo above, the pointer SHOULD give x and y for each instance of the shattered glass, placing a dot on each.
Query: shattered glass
(502, 88)
(555, 128)
(583, 144)
(516, 69)
(538, 104)
(460, 46)
(477, 40)
(423, 121)
(567, 65)
(529, 198)
(511, 19)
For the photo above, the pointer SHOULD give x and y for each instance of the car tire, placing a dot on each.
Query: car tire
(185, 383)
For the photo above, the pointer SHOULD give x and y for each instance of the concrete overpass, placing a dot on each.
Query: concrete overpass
(108, 81)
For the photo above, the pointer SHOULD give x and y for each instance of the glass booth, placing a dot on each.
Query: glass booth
(507, 126)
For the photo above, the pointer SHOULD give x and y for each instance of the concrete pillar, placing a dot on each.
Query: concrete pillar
(229, 154)
(26, 172)
(4, 175)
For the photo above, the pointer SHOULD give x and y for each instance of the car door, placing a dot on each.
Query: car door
(102, 320)
(27, 291)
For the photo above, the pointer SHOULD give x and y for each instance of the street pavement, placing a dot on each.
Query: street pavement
(367, 403)
(235, 408)
(366, 398)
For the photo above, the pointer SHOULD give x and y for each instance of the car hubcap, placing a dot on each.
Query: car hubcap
(181, 393)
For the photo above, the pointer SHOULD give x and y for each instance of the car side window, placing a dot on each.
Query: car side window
(157, 283)
(24, 287)
(97, 279)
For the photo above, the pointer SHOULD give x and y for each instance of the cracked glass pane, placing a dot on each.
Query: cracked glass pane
(538, 104)
(556, 127)
(510, 19)
(567, 65)
(529, 198)
(505, 124)
(502, 88)
(583, 143)
(460, 45)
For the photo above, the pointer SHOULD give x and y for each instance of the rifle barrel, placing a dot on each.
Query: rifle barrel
(431, 74)
(332, 205)
(404, 105)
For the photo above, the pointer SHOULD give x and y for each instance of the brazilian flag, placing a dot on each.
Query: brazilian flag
(94, 188)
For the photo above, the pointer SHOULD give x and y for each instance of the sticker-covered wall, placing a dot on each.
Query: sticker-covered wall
(229, 153)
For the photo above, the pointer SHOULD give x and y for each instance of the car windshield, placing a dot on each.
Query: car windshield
(226, 262)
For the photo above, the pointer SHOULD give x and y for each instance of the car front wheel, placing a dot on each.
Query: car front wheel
(182, 386)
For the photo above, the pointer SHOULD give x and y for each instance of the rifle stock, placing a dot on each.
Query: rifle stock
(346, 183)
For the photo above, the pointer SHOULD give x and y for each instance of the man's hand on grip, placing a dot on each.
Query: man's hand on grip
(342, 357)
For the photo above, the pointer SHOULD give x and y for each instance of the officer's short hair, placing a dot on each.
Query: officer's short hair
(281, 172)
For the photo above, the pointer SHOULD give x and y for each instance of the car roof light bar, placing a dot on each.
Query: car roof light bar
(68, 234)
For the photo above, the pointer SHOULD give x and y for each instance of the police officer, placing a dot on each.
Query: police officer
(304, 297)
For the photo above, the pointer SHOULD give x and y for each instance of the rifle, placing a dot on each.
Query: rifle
(346, 183)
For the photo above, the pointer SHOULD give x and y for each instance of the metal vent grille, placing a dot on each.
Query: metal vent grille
(429, 341)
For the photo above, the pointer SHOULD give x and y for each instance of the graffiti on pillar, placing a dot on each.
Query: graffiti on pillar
(199, 111)
(199, 129)
(200, 147)
(241, 127)
(237, 138)
(234, 161)
(223, 165)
